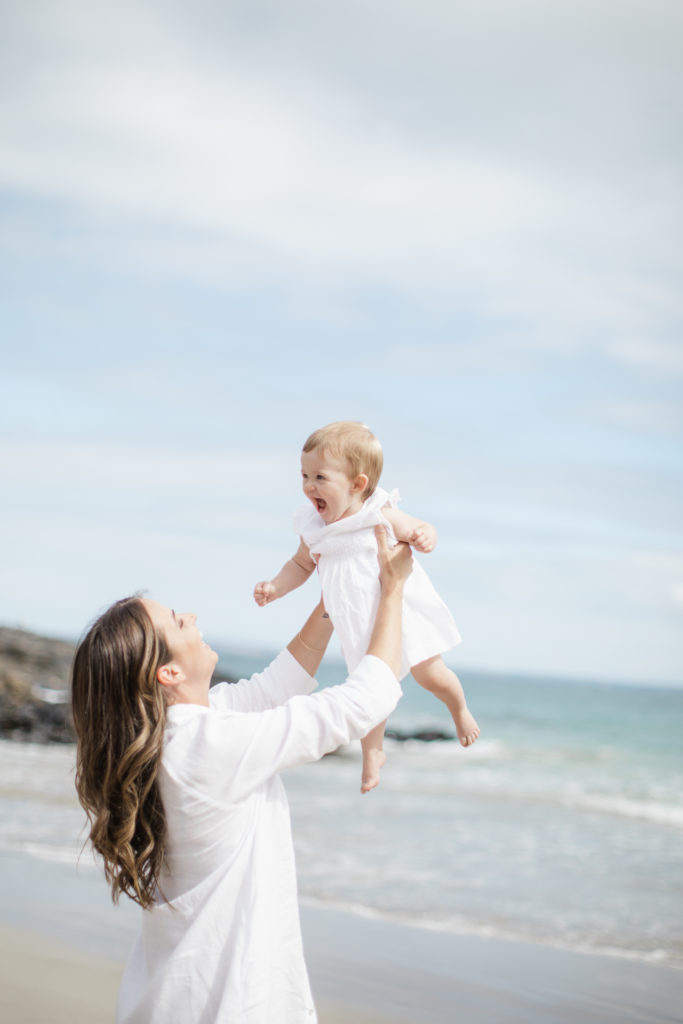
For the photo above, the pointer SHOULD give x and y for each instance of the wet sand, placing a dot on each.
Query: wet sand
(367, 971)
(418, 976)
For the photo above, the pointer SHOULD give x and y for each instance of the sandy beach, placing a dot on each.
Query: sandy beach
(43, 981)
(366, 971)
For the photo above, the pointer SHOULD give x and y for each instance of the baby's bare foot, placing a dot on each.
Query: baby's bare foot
(373, 760)
(466, 726)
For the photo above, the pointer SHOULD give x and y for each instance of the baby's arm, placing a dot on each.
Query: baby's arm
(417, 533)
(292, 574)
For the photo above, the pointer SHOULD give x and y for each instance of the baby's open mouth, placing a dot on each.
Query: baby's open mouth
(320, 505)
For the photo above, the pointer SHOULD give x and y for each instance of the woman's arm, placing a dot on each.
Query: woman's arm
(245, 750)
(416, 532)
(292, 574)
(395, 565)
(307, 727)
(309, 645)
(282, 679)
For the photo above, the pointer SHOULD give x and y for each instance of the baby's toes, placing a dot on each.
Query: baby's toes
(470, 738)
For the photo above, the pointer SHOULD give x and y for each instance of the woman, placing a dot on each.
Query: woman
(186, 807)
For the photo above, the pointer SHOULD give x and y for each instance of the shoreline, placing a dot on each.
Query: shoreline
(368, 971)
(422, 976)
(71, 902)
(657, 958)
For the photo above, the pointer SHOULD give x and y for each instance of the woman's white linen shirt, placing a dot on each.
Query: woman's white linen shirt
(226, 948)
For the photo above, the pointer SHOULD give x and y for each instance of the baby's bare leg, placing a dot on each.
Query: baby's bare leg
(436, 677)
(373, 757)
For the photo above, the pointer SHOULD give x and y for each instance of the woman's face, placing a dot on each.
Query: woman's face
(189, 652)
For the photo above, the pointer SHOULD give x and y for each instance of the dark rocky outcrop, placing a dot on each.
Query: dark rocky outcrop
(34, 687)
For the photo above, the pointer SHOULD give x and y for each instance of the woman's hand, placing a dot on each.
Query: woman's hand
(395, 564)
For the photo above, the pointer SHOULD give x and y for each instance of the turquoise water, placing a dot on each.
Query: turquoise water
(563, 824)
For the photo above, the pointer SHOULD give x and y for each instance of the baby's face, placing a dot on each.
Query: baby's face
(327, 485)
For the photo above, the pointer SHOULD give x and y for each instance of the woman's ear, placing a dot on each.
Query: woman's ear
(360, 483)
(170, 675)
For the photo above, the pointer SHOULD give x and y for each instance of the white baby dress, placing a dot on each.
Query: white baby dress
(346, 552)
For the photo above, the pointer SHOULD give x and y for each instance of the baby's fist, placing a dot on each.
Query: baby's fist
(264, 593)
(423, 538)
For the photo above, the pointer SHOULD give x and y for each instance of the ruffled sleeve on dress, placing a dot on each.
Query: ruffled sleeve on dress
(371, 511)
(392, 499)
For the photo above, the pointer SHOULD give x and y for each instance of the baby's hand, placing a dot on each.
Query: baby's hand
(423, 538)
(264, 593)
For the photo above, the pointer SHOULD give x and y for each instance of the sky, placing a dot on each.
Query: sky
(226, 224)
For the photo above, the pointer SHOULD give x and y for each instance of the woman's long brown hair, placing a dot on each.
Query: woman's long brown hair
(119, 713)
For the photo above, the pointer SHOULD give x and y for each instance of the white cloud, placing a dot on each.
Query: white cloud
(658, 355)
(202, 159)
(639, 414)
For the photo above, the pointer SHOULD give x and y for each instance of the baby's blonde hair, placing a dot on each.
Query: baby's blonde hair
(353, 442)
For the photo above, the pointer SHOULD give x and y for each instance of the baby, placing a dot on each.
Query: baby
(341, 466)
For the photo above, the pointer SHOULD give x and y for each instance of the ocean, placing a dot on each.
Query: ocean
(562, 825)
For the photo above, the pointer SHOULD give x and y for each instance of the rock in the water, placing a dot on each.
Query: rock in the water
(423, 735)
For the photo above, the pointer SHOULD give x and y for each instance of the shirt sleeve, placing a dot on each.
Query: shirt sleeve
(282, 679)
(247, 749)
